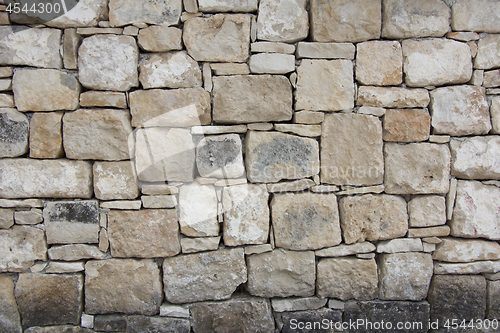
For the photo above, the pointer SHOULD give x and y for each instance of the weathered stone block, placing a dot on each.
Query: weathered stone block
(400, 245)
(158, 38)
(394, 97)
(220, 156)
(198, 210)
(46, 139)
(475, 157)
(6, 218)
(272, 63)
(162, 12)
(282, 21)
(406, 125)
(14, 129)
(71, 43)
(475, 15)
(343, 250)
(297, 303)
(492, 301)
(379, 63)
(103, 99)
(461, 250)
(427, 211)
(211, 6)
(74, 252)
(20, 246)
(115, 180)
(32, 216)
(137, 324)
(199, 244)
(488, 52)
(326, 50)
(9, 318)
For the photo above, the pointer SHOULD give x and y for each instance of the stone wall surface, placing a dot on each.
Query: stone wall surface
(250, 166)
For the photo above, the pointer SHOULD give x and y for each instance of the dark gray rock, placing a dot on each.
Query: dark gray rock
(110, 323)
(14, 132)
(10, 321)
(310, 321)
(58, 329)
(141, 324)
(220, 156)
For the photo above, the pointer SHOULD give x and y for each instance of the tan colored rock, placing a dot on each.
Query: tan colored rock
(282, 20)
(372, 110)
(108, 62)
(46, 139)
(111, 286)
(115, 180)
(158, 189)
(440, 231)
(488, 51)
(163, 12)
(200, 244)
(326, 50)
(26, 203)
(272, 63)
(328, 20)
(475, 15)
(281, 273)
(475, 157)
(394, 97)
(30, 217)
(159, 201)
(65, 267)
(14, 130)
(220, 156)
(99, 31)
(293, 186)
(334, 92)
(427, 211)
(122, 204)
(435, 62)
(461, 250)
(495, 115)
(379, 63)
(410, 18)
(10, 320)
(261, 98)
(6, 218)
(406, 125)
(308, 117)
(20, 246)
(463, 36)
(477, 267)
(302, 130)
(343, 250)
(71, 43)
(230, 68)
(372, 217)
(203, 276)
(350, 159)
(6, 101)
(214, 6)
(198, 210)
(28, 178)
(492, 79)
(103, 99)
(157, 38)
(416, 168)
(45, 90)
(170, 108)
(272, 47)
(75, 252)
(400, 245)
(347, 278)
(219, 38)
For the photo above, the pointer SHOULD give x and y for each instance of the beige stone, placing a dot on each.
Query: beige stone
(10, 319)
(256, 249)
(220, 156)
(213, 6)
(439, 138)
(46, 139)
(372, 217)
(440, 231)
(293, 186)
(176, 311)
(348, 158)
(335, 90)
(159, 201)
(297, 303)
(475, 15)
(372, 110)
(427, 211)
(326, 50)
(308, 117)
(343, 250)
(75, 252)
(45, 90)
(463, 36)
(416, 168)
(6, 218)
(103, 99)
(394, 97)
(350, 190)
(475, 157)
(400, 245)
(347, 278)
(261, 98)
(99, 31)
(477, 267)
(272, 47)
(65, 267)
(488, 51)
(8, 71)
(32, 216)
(200, 244)
(272, 63)
(495, 115)
(302, 130)
(492, 79)
(282, 20)
(14, 130)
(260, 127)
(406, 125)
(203, 276)
(158, 38)
(435, 62)
(122, 204)
(26, 203)
(163, 12)
(329, 17)
(71, 42)
(198, 210)
(6, 101)
(230, 69)
(158, 189)
(219, 38)
(461, 250)
(5, 84)
(115, 180)
(20, 246)
(379, 63)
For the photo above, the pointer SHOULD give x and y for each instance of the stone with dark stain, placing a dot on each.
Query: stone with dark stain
(14, 131)
(220, 156)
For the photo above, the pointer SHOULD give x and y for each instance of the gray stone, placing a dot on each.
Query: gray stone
(379, 63)
(346, 250)
(488, 51)
(400, 245)
(198, 210)
(394, 97)
(475, 157)
(475, 15)
(461, 250)
(110, 323)
(122, 204)
(214, 6)
(297, 304)
(176, 311)
(282, 21)
(231, 68)
(46, 139)
(115, 180)
(372, 110)
(32, 216)
(74, 252)
(65, 267)
(200, 244)
(9, 317)
(138, 324)
(220, 156)
(293, 186)
(495, 115)
(492, 299)
(256, 249)
(299, 129)
(427, 211)
(71, 43)
(6, 218)
(26, 203)
(272, 63)
(326, 50)
(271, 47)
(158, 189)
(20, 246)
(14, 130)
(159, 201)
(157, 38)
(162, 12)
(308, 320)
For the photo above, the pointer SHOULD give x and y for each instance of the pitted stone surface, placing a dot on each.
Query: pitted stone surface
(46, 139)
(475, 157)
(282, 20)
(20, 246)
(379, 63)
(161, 12)
(475, 15)
(115, 180)
(220, 156)
(488, 51)
(14, 130)
(74, 252)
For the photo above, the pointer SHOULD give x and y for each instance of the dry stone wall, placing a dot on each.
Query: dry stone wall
(251, 166)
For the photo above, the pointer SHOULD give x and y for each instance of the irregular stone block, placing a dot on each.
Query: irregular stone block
(372, 217)
(347, 278)
(416, 168)
(400, 245)
(272, 63)
(461, 250)
(103, 99)
(46, 139)
(495, 115)
(475, 157)
(440, 231)
(201, 244)
(328, 20)
(20, 45)
(112, 322)
(32, 216)
(348, 158)
(74, 252)
(281, 273)
(379, 63)
(346, 250)
(6, 101)
(101, 67)
(305, 221)
(136, 324)
(159, 201)
(476, 267)
(65, 267)
(270, 47)
(115, 180)
(435, 62)
(203, 276)
(214, 6)
(282, 21)
(307, 320)
(26, 178)
(10, 320)
(218, 38)
(45, 90)
(158, 38)
(220, 156)
(71, 43)
(406, 125)
(177, 311)
(394, 97)
(298, 157)
(427, 211)
(302, 130)
(162, 12)
(335, 90)
(6, 218)
(198, 210)
(492, 79)
(20, 246)
(475, 15)
(122, 204)
(492, 299)
(297, 304)
(232, 68)
(326, 50)
(488, 51)
(475, 213)
(14, 129)
(261, 98)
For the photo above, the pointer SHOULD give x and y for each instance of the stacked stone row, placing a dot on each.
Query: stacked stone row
(242, 165)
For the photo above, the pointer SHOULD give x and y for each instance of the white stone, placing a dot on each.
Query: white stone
(86, 13)
(65, 267)
(488, 52)
(175, 311)
(161, 12)
(302, 130)
(115, 180)
(293, 186)
(400, 245)
(394, 97)
(346, 250)
(427, 211)
(211, 6)
(198, 210)
(461, 250)
(450, 198)
(282, 20)
(20, 246)
(272, 47)
(272, 63)
(326, 50)
(475, 15)
(122, 204)
(477, 267)
(159, 201)
(495, 115)
(74, 252)
(256, 249)
(476, 157)
(32, 216)
(372, 110)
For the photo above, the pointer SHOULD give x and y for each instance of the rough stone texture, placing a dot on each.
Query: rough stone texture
(211, 6)
(476, 211)
(281, 273)
(460, 110)
(218, 38)
(162, 12)
(302, 130)
(290, 321)
(372, 217)
(20, 246)
(113, 322)
(254, 98)
(326, 50)
(406, 125)
(74, 252)
(272, 156)
(347, 278)
(26, 178)
(246, 214)
(234, 315)
(49, 299)
(203, 276)
(32, 216)
(170, 70)
(115, 180)
(9, 314)
(157, 38)
(191, 245)
(410, 18)
(475, 15)
(71, 43)
(495, 115)
(297, 303)
(333, 92)
(416, 168)
(427, 211)
(271, 47)
(159, 201)
(305, 221)
(492, 79)
(328, 20)
(477, 267)
(405, 276)
(435, 62)
(138, 324)
(282, 20)
(400, 245)
(122, 285)
(45, 139)
(348, 158)
(220, 156)
(103, 99)
(149, 233)
(6, 101)
(100, 134)
(346, 250)
(476, 157)
(379, 63)
(457, 296)
(14, 130)
(461, 250)
(492, 301)
(394, 97)
(45, 90)
(6, 218)
(198, 210)
(30, 47)
(488, 51)
(272, 63)
(440, 231)
(108, 62)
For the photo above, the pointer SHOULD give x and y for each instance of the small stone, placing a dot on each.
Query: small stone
(103, 240)
(406, 125)
(463, 36)
(334, 92)
(163, 12)
(379, 63)
(175, 311)
(400, 245)
(260, 127)
(130, 30)
(440, 231)
(282, 21)
(492, 276)
(45, 90)
(65, 267)
(103, 99)
(6, 218)
(473, 15)
(428, 247)
(218, 38)
(343, 250)
(110, 287)
(6, 101)
(159, 201)
(149, 233)
(431, 240)
(71, 42)
(201, 244)
(46, 140)
(293, 186)
(14, 130)
(326, 50)
(198, 210)
(450, 198)
(394, 97)
(488, 52)
(365, 256)
(328, 20)
(101, 67)
(477, 267)
(272, 63)
(97, 31)
(6, 84)
(435, 62)
(302, 130)
(158, 189)
(11, 322)
(8, 72)
(87, 321)
(308, 117)
(214, 6)
(439, 138)
(477, 77)
(475, 157)
(220, 156)
(27, 203)
(75, 252)
(122, 204)
(281, 273)
(158, 38)
(427, 211)
(256, 249)
(492, 79)
(461, 250)
(230, 69)
(371, 110)
(115, 180)
(33, 216)
(297, 304)
(495, 115)
(272, 47)
(492, 91)
(336, 304)
(20, 246)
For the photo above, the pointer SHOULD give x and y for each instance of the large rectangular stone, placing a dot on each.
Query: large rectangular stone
(475, 15)
(163, 12)
(393, 97)
(475, 157)
(20, 246)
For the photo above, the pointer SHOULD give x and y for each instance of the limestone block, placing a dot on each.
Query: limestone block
(200, 244)
(115, 180)
(461, 250)
(488, 51)
(272, 63)
(220, 156)
(379, 63)
(74, 252)
(282, 20)
(214, 6)
(272, 47)
(159, 201)
(394, 97)
(475, 15)
(476, 267)
(10, 320)
(158, 189)
(71, 43)
(492, 79)
(103, 99)
(492, 300)
(14, 130)
(400, 245)
(326, 50)
(475, 157)
(440, 231)
(20, 246)
(309, 117)
(32, 216)
(343, 250)
(297, 303)
(157, 324)
(176, 311)
(46, 139)
(406, 125)
(161, 12)
(427, 211)
(198, 210)
(122, 204)
(231, 68)
(157, 38)
(495, 115)
(6, 218)
(7, 101)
